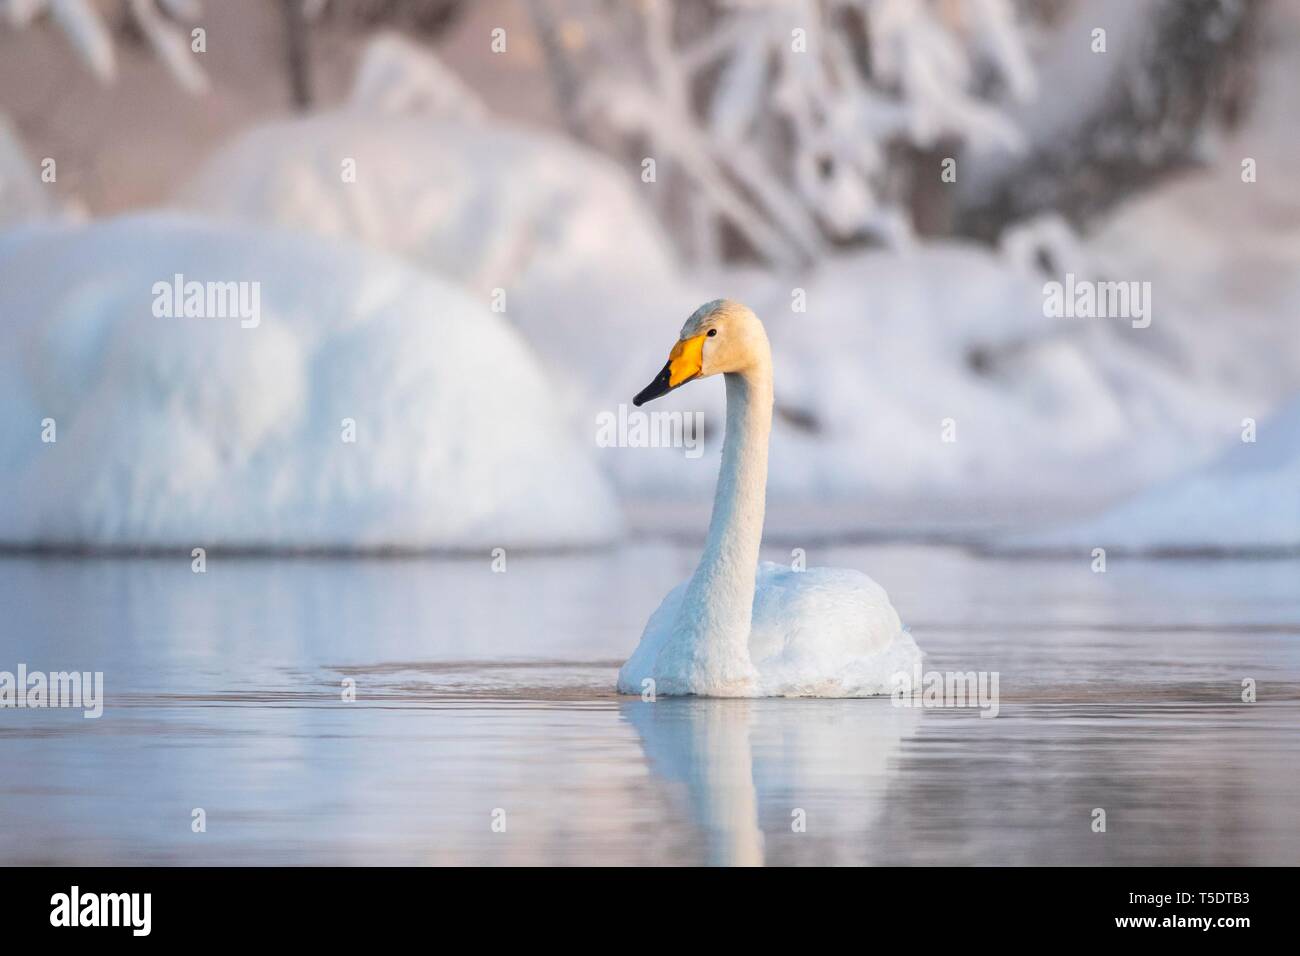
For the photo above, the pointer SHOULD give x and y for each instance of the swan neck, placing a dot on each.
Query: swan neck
(736, 526)
(721, 592)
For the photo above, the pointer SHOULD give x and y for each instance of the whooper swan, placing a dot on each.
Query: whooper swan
(738, 628)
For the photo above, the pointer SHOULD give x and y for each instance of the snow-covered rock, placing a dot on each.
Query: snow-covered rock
(891, 345)
(1246, 501)
(549, 234)
(398, 76)
(932, 376)
(935, 373)
(486, 204)
(228, 431)
(583, 268)
(1221, 248)
(1219, 243)
(1223, 260)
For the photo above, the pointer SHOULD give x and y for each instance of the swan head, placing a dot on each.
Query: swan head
(721, 336)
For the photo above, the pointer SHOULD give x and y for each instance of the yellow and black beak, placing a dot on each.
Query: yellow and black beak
(684, 363)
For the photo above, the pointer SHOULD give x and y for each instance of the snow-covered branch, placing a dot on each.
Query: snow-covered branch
(85, 29)
(773, 124)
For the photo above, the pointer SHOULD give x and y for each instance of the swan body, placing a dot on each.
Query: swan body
(737, 628)
(823, 632)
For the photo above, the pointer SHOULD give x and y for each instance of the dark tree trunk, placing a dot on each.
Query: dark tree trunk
(296, 53)
(1194, 69)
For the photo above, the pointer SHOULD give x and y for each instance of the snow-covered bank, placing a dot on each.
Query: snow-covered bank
(927, 374)
(1220, 246)
(891, 345)
(933, 374)
(1247, 502)
(235, 431)
(547, 233)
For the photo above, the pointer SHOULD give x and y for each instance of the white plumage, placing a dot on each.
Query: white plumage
(823, 632)
(738, 628)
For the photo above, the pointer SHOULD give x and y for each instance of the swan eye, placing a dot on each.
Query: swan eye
(712, 332)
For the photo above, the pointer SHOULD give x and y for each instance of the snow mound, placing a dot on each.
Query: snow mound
(584, 269)
(1221, 252)
(927, 375)
(398, 76)
(890, 347)
(935, 372)
(490, 205)
(1246, 501)
(1222, 248)
(224, 432)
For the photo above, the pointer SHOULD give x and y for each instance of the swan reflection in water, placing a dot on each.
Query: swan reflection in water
(765, 778)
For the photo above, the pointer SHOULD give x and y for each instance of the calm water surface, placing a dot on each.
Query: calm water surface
(479, 692)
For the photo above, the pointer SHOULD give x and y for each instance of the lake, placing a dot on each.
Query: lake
(485, 729)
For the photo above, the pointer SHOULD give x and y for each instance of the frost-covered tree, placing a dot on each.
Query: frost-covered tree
(159, 21)
(166, 25)
(778, 129)
(1136, 89)
(421, 17)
